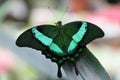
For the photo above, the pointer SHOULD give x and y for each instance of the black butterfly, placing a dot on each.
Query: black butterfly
(60, 43)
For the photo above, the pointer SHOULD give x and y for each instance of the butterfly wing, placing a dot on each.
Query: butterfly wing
(82, 33)
(27, 38)
(93, 32)
(76, 30)
(60, 41)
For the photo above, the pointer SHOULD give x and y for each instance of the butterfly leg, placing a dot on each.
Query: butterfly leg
(59, 74)
(76, 70)
(75, 66)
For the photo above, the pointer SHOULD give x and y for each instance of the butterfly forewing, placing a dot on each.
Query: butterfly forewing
(75, 30)
(93, 32)
(52, 37)
(27, 39)
(48, 30)
(88, 34)
(72, 28)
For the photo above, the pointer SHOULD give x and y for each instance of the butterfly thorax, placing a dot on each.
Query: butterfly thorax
(59, 23)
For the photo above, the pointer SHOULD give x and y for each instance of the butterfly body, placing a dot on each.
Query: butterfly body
(60, 43)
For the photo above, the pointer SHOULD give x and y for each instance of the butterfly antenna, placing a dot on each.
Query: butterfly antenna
(66, 10)
(51, 10)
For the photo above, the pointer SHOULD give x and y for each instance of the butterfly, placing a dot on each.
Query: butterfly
(60, 43)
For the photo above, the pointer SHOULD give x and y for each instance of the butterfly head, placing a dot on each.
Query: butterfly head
(59, 23)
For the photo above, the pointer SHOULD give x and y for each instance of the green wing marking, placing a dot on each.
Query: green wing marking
(72, 45)
(81, 32)
(41, 37)
(77, 37)
(93, 32)
(56, 49)
(46, 41)
(26, 39)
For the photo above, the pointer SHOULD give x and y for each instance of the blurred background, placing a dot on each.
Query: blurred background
(16, 16)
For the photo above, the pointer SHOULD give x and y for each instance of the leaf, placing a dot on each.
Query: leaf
(89, 68)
